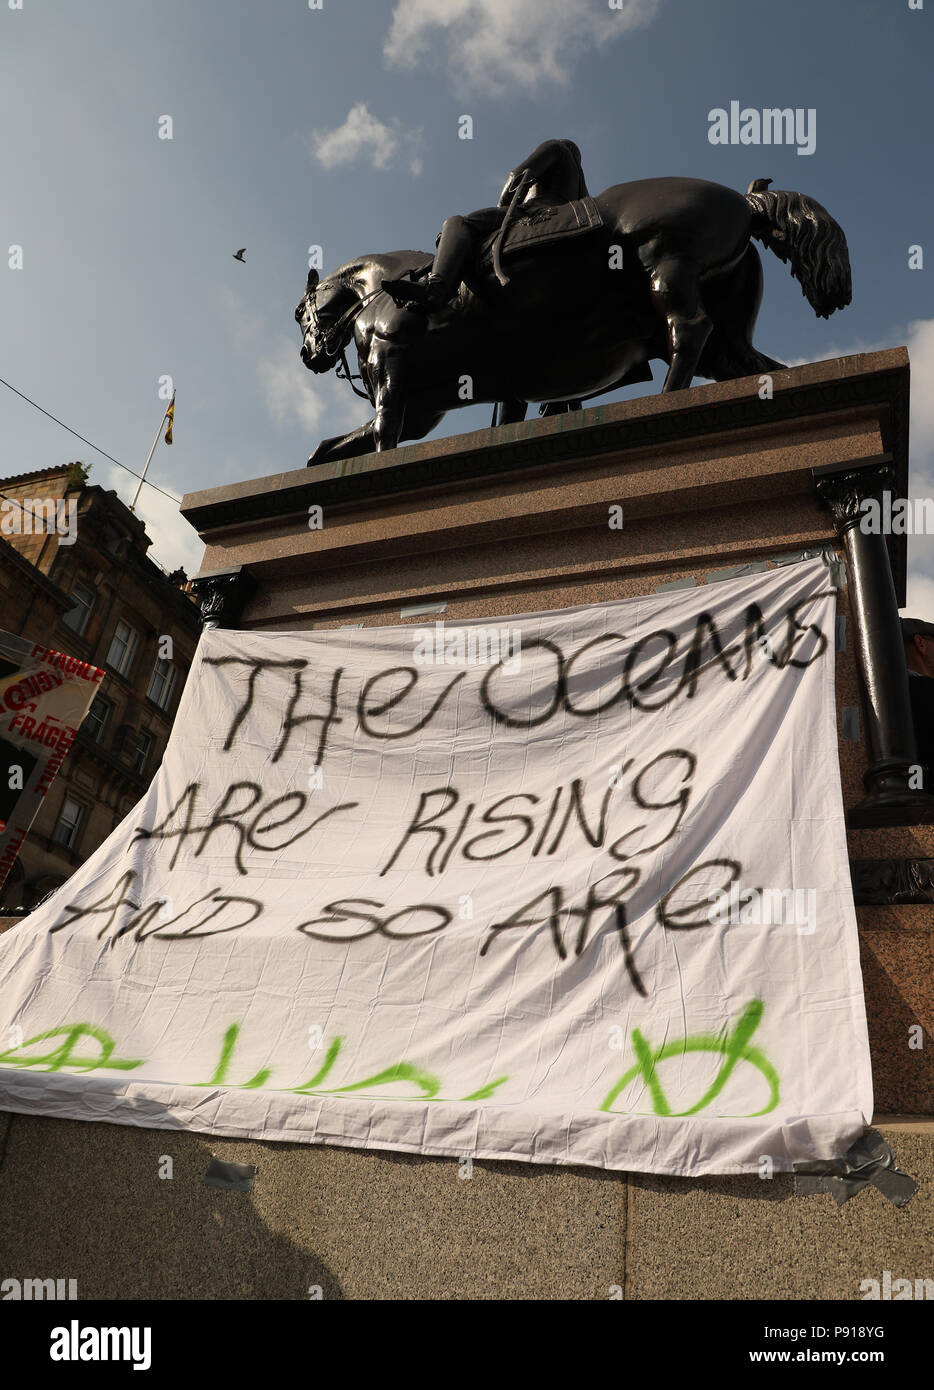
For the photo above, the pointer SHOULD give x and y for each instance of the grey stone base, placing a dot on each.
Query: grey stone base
(85, 1201)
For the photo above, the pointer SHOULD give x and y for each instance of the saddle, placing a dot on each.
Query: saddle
(545, 224)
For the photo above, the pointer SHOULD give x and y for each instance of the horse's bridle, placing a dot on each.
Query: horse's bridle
(327, 336)
(336, 331)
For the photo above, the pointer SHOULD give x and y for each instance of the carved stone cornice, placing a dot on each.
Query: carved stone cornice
(222, 595)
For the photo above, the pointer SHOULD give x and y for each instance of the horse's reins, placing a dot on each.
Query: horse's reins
(511, 213)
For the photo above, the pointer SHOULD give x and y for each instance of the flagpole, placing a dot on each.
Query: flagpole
(151, 452)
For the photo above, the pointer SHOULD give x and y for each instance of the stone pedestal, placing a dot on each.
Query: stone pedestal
(707, 482)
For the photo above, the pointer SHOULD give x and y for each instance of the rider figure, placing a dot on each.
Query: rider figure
(556, 177)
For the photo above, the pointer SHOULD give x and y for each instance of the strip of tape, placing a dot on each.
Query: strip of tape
(231, 1177)
(869, 1160)
(736, 571)
(420, 610)
(688, 582)
(831, 559)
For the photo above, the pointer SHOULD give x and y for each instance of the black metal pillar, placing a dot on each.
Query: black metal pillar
(890, 798)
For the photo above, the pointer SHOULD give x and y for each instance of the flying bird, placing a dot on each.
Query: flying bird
(239, 255)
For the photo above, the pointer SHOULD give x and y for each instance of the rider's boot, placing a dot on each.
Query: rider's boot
(454, 247)
(427, 294)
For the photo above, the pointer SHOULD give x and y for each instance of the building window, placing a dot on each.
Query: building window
(66, 832)
(95, 720)
(140, 747)
(122, 648)
(162, 683)
(115, 545)
(77, 617)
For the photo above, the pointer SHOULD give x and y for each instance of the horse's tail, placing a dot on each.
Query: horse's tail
(799, 230)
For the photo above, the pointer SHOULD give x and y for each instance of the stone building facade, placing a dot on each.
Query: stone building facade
(75, 575)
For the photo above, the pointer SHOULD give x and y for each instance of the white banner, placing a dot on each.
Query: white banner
(572, 888)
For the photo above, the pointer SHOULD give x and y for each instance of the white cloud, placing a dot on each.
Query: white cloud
(365, 136)
(496, 46)
(321, 405)
(920, 343)
(920, 597)
(918, 337)
(242, 328)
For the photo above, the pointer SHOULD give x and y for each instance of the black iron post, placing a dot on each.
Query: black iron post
(891, 799)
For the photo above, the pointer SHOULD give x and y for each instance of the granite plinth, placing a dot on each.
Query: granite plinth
(87, 1202)
(515, 519)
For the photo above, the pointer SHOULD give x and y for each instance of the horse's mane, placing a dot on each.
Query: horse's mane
(348, 274)
(352, 273)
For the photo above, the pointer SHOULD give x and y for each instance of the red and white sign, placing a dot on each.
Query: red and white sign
(44, 696)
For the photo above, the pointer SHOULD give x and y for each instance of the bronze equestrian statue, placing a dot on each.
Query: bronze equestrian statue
(555, 297)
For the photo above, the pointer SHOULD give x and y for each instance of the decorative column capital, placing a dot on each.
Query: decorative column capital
(881, 882)
(222, 595)
(845, 489)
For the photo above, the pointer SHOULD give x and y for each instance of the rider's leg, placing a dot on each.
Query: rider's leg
(456, 244)
(454, 247)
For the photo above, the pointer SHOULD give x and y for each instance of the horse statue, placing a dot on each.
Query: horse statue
(656, 269)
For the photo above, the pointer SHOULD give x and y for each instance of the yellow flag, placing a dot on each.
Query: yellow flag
(170, 417)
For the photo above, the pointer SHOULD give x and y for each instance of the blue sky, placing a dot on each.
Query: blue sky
(338, 126)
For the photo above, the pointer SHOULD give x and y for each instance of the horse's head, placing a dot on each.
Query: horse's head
(324, 304)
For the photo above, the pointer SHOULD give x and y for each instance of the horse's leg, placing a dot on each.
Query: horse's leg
(675, 289)
(727, 359)
(345, 446)
(508, 413)
(390, 417)
(386, 373)
(733, 301)
(421, 420)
